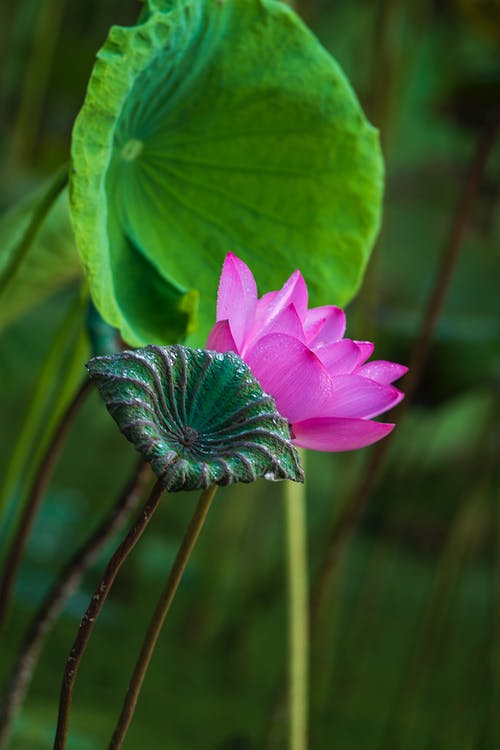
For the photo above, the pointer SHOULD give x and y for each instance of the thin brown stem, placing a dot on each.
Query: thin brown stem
(22, 670)
(161, 611)
(40, 59)
(449, 258)
(35, 498)
(93, 610)
(345, 527)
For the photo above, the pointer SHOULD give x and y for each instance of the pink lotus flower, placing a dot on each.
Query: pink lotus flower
(320, 381)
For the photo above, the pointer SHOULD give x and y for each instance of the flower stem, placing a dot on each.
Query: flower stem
(96, 604)
(22, 670)
(161, 611)
(345, 526)
(35, 498)
(47, 23)
(298, 654)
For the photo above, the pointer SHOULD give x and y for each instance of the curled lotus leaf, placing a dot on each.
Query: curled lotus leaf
(217, 125)
(199, 417)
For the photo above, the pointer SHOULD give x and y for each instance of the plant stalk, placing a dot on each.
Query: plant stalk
(93, 610)
(160, 613)
(40, 60)
(38, 429)
(35, 498)
(59, 182)
(22, 670)
(298, 647)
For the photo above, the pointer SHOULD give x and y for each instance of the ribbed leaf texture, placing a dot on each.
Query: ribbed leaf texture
(199, 417)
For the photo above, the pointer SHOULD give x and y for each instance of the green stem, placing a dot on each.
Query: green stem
(160, 613)
(44, 412)
(35, 498)
(59, 182)
(298, 671)
(93, 610)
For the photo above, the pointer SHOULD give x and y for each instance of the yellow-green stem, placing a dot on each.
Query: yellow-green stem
(298, 617)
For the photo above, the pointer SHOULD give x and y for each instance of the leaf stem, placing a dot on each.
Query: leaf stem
(93, 610)
(22, 670)
(298, 653)
(160, 613)
(38, 428)
(57, 185)
(35, 498)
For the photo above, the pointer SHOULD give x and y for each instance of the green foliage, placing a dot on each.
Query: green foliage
(200, 418)
(407, 655)
(37, 249)
(57, 382)
(217, 126)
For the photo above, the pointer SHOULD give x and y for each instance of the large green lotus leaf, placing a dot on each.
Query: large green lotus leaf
(211, 126)
(37, 251)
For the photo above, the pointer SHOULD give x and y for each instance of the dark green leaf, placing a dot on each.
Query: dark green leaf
(199, 417)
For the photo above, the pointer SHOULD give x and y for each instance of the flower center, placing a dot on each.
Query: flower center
(132, 149)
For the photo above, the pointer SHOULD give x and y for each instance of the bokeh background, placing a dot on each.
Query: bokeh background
(406, 642)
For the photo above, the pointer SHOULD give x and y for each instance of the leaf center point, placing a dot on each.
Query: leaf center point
(188, 437)
(132, 149)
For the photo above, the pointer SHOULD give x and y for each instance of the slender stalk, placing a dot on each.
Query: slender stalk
(160, 613)
(298, 653)
(59, 182)
(292, 700)
(388, 61)
(436, 617)
(51, 412)
(22, 670)
(35, 498)
(93, 610)
(493, 727)
(343, 530)
(40, 59)
(37, 430)
(389, 57)
(468, 528)
(456, 236)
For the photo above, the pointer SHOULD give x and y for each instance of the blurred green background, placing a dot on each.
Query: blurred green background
(406, 654)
